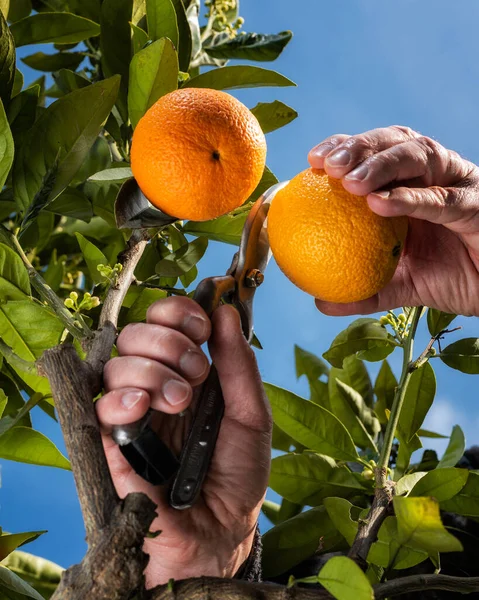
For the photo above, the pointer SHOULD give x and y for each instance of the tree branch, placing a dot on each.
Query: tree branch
(369, 527)
(215, 588)
(420, 583)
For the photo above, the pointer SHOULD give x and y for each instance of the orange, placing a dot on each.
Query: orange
(329, 242)
(198, 153)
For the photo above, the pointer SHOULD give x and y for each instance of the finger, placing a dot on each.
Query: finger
(422, 162)
(165, 345)
(357, 148)
(121, 407)
(317, 154)
(400, 291)
(182, 314)
(453, 207)
(245, 400)
(168, 391)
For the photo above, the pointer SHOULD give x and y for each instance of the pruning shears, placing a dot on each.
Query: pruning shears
(149, 456)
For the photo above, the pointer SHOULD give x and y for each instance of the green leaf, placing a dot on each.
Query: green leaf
(11, 541)
(19, 9)
(137, 311)
(340, 511)
(406, 483)
(455, 449)
(342, 577)
(115, 45)
(384, 388)
(55, 271)
(308, 478)
(9, 581)
(139, 38)
(68, 81)
(420, 526)
(53, 140)
(114, 175)
(227, 228)
(162, 21)
(58, 27)
(6, 147)
(23, 444)
(54, 62)
(93, 257)
(309, 364)
(362, 335)
(273, 115)
(271, 511)
(467, 501)
(17, 82)
(462, 355)
(281, 440)
(14, 280)
(320, 394)
(41, 574)
(418, 400)
(185, 258)
(233, 78)
(311, 425)
(153, 73)
(72, 203)
(296, 539)
(431, 434)
(437, 320)
(4, 8)
(250, 46)
(184, 32)
(22, 110)
(7, 61)
(441, 484)
(359, 407)
(406, 449)
(387, 552)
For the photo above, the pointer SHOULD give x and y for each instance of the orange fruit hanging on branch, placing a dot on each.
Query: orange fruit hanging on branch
(198, 153)
(329, 242)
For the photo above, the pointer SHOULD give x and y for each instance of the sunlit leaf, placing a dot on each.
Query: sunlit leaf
(23, 444)
(93, 257)
(162, 21)
(387, 552)
(466, 502)
(137, 311)
(344, 579)
(441, 484)
(311, 425)
(455, 449)
(41, 574)
(418, 400)
(309, 364)
(362, 335)
(7, 61)
(10, 582)
(153, 73)
(230, 78)
(53, 140)
(420, 526)
(61, 28)
(11, 541)
(462, 355)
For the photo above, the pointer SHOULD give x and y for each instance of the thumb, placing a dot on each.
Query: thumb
(441, 205)
(245, 399)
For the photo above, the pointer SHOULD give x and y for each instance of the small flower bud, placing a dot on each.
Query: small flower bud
(74, 296)
(69, 303)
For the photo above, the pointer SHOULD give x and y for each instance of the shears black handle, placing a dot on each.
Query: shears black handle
(150, 457)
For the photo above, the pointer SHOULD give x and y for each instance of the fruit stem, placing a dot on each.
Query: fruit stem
(400, 394)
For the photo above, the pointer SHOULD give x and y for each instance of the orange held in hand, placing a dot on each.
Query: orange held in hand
(198, 153)
(329, 242)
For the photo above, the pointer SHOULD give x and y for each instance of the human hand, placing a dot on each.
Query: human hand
(159, 363)
(404, 173)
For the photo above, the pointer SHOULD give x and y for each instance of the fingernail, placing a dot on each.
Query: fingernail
(321, 150)
(175, 392)
(193, 364)
(130, 399)
(194, 326)
(358, 174)
(341, 158)
(382, 195)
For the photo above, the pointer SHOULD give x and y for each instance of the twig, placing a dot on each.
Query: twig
(381, 470)
(15, 360)
(420, 583)
(49, 296)
(426, 354)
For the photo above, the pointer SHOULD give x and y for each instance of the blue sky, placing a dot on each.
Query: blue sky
(359, 64)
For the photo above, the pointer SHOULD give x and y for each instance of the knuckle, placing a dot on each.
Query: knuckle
(432, 148)
(110, 367)
(404, 130)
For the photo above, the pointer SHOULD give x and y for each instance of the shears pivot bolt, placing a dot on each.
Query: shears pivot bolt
(253, 278)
